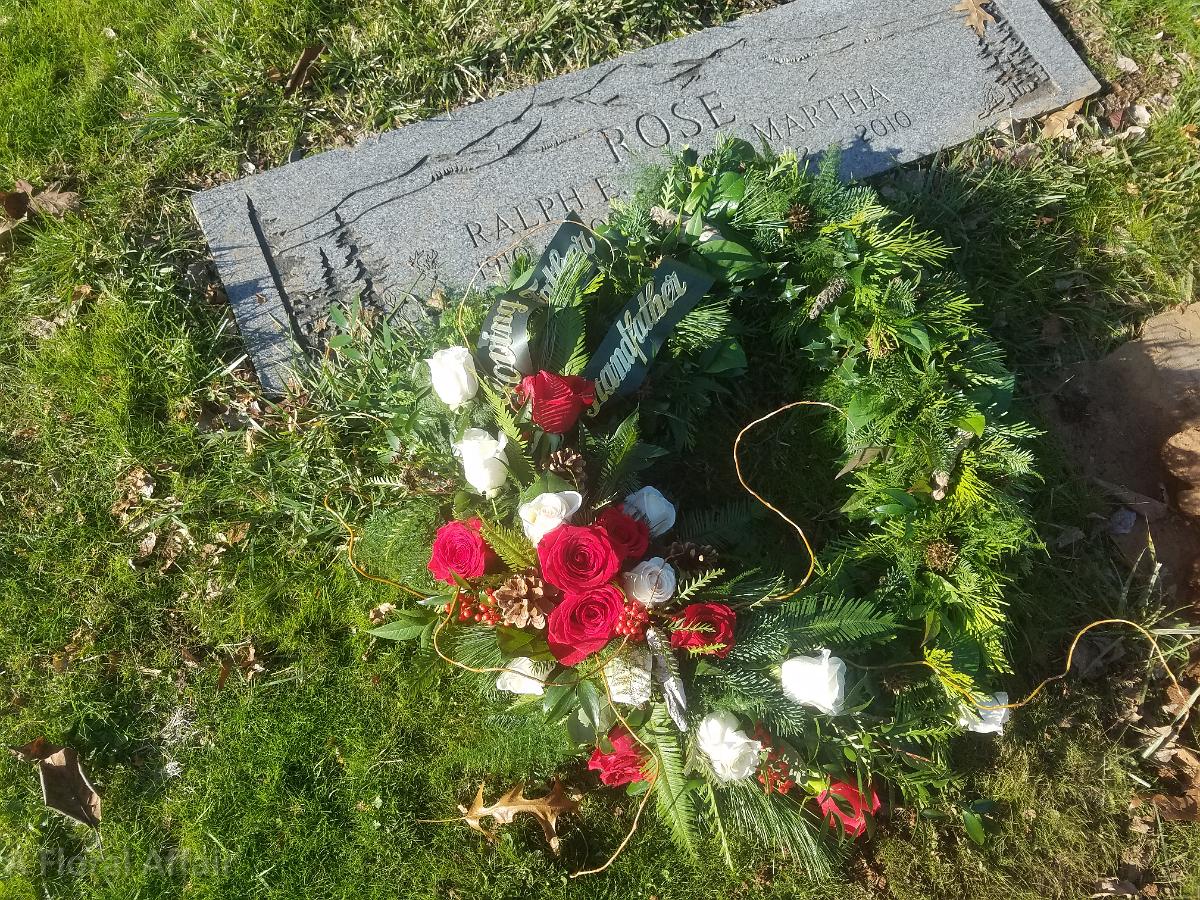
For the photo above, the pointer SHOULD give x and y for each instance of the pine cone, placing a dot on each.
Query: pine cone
(799, 217)
(941, 556)
(525, 600)
(570, 464)
(831, 294)
(689, 555)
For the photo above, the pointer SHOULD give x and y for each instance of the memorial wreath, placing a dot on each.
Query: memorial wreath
(593, 555)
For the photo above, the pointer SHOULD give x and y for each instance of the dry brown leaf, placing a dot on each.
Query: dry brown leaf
(863, 457)
(15, 203)
(381, 612)
(65, 786)
(975, 15)
(53, 201)
(245, 658)
(236, 533)
(1178, 809)
(1055, 124)
(545, 809)
(300, 71)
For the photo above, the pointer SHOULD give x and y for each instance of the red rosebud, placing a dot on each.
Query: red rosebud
(630, 537)
(577, 557)
(583, 623)
(623, 765)
(557, 399)
(846, 803)
(459, 548)
(705, 625)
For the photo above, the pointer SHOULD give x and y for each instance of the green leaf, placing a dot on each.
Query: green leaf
(590, 705)
(407, 626)
(726, 356)
(513, 643)
(546, 483)
(915, 335)
(975, 423)
(858, 414)
(729, 260)
(974, 826)
(731, 188)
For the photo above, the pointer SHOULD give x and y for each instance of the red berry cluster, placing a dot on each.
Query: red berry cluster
(775, 775)
(470, 610)
(633, 620)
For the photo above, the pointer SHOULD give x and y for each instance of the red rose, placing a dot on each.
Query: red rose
(557, 399)
(583, 623)
(846, 803)
(458, 547)
(577, 557)
(705, 625)
(629, 536)
(623, 765)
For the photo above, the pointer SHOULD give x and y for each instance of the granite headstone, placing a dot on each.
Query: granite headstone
(431, 203)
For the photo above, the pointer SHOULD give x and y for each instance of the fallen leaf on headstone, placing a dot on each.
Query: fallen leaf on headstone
(1055, 124)
(65, 787)
(299, 75)
(975, 15)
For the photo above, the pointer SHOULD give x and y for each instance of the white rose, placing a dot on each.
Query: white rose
(651, 583)
(653, 508)
(733, 755)
(484, 464)
(453, 374)
(545, 512)
(982, 719)
(816, 681)
(524, 676)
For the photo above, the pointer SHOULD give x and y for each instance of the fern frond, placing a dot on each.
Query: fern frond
(510, 545)
(672, 793)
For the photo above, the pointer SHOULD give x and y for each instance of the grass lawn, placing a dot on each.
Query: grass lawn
(311, 779)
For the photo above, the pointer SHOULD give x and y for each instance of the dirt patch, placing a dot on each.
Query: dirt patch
(1115, 415)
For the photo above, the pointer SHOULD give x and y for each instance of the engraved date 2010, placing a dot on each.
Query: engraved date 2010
(882, 126)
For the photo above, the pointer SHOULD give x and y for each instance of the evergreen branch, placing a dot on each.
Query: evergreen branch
(688, 588)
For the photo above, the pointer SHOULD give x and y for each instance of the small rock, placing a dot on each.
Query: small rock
(1181, 455)
(1127, 65)
(1122, 521)
(1140, 115)
(110, 34)
(1189, 502)
(1069, 536)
